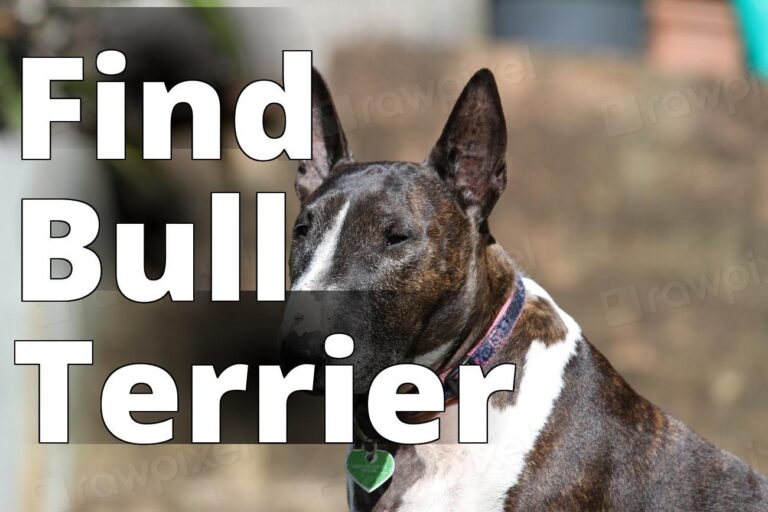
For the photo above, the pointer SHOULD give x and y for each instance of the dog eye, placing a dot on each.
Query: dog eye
(396, 238)
(301, 230)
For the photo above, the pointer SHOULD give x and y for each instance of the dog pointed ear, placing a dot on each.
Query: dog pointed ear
(329, 145)
(470, 154)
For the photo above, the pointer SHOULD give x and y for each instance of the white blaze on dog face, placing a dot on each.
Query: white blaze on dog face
(312, 278)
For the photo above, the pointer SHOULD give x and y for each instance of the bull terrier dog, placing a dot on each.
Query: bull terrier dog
(572, 435)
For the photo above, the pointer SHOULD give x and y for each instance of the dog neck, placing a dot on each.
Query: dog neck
(544, 340)
(495, 283)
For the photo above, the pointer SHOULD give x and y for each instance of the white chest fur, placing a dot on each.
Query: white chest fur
(478, 477)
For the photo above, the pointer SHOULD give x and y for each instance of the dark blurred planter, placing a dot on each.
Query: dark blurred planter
(572, 23)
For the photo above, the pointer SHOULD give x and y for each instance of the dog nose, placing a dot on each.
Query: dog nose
(304, 328)
(296, 350)
(305, 314)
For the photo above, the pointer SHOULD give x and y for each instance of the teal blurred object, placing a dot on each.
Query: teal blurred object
(753, 15)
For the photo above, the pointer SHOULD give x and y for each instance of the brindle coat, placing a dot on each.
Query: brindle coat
(422, 229)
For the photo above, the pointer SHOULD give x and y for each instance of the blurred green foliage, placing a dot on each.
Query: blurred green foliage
(10, 92)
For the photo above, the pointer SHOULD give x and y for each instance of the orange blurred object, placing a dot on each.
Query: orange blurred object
(694, 36)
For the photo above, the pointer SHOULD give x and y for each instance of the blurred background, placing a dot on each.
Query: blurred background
(638, 196)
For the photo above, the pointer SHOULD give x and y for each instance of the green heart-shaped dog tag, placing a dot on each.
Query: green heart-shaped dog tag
(370, 474)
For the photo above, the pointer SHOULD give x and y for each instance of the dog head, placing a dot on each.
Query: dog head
(393, 253)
